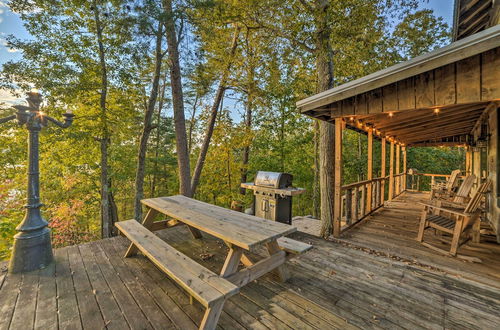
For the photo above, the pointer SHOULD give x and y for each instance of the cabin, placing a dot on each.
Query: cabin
(448, 97)
(372, 274)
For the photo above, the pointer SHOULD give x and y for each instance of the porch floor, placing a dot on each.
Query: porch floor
(333, 286)
(392, 231)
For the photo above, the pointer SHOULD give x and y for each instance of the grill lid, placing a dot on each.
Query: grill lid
(273, 179)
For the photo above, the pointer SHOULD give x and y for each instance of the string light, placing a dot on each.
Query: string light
(391, 114)
(436, 111)
(351, 118)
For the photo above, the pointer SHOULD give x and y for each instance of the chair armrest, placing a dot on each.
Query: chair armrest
(444, 209)
(453, 204)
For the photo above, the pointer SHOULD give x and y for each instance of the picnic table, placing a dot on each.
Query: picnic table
(241, 232)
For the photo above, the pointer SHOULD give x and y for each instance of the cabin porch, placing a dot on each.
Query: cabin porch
(333, 286)
(392, 229)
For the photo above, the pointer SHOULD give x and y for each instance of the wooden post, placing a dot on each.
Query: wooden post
(391, 172)
(369, 191)
(398, 169)
(337, 202)
(468, 161)
(382, 173)
(404, 168)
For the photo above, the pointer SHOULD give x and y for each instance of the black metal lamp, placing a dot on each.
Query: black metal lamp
(32, 245)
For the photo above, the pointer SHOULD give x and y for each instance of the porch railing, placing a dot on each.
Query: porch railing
(362, 198)
(423, 182)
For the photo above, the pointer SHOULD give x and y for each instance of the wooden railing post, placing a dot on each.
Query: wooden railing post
(369, 172)
(382, 172)
(391, 172)
(404, 169)
(468, 161)
(337, 203)
(398, 169)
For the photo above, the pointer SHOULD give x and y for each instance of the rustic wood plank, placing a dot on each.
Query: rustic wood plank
(375, 101)
(243, 230)
(133, 314)
(360, 104)
(469, 80)
(110, 310)
(161, 289)
(46, 306)
(10, 292)
(444, 87)
(490, 71)
(293, 246)
(24, 314)
(390, 98)
(90, 313)
(66, 297)
(204, 285)
(145, 301)
(424, 89)
(406, 94)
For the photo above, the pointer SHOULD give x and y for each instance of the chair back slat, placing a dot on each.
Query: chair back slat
(475, 201)
(464, 191)
(452, 180)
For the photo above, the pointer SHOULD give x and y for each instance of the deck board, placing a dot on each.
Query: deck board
(336, 285)
(392, 231)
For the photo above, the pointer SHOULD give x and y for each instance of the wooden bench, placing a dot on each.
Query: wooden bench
(293, 246)
(208, 288)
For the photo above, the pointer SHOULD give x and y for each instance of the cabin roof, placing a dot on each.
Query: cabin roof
(467, 47)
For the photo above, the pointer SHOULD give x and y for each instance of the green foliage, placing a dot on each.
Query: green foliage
(273, 67)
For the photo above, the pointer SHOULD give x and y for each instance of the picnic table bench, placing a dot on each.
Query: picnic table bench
(240, 232)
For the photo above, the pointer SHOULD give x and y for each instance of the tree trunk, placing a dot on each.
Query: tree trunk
(107, 220)
(191, 123)
(248, 119)
(324, 68)
(148, 116)
(157, 147)
(177, 102)
(213, 115)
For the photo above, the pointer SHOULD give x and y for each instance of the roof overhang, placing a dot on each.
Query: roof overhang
(467, 47)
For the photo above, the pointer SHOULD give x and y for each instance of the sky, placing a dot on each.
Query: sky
(11, 24)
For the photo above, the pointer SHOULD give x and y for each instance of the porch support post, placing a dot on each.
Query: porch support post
(369, 191)
(468, 161)
(391, 172)
(404, 169)
(382, 173)
(337, 201)
(398, 169)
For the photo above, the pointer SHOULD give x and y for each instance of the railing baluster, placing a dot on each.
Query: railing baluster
(348, 206)
(355, 205)
(363, 200)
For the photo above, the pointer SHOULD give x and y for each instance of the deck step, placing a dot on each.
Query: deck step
(204, 285)
(293, 246)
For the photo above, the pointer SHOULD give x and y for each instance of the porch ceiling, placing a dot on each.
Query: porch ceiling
(423, 127)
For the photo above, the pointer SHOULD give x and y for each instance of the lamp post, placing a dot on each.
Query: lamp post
(32, 245)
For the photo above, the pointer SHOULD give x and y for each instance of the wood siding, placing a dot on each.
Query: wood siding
(471, 80)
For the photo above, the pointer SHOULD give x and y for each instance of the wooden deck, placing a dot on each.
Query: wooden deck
(333, 286)
(392, 231)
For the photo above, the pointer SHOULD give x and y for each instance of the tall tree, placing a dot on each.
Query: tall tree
(219, 95)
(147, 125)
(184, 167)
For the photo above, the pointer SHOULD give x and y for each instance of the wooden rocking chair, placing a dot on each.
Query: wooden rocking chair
(447, 186)
(458, 199)
(454, 221)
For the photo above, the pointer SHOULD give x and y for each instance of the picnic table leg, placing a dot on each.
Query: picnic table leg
(147, 222)
(195, 232)
(273, 248)
(232, 261)
(212, 315)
